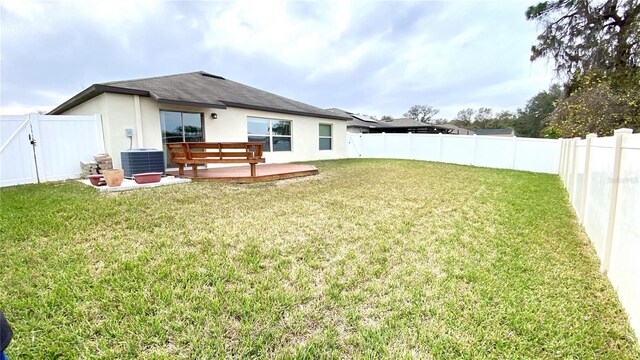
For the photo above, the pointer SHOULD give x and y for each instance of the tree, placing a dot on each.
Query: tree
(386, 117)
(482, 117)
(503, 120)
(463, 118)
(596, 46)
(422, 113)
(582, 35)
(536, 114)
(595, 107)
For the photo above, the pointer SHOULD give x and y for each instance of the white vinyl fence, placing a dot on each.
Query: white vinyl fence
(602, 176)
(537, 155)
(35, 148)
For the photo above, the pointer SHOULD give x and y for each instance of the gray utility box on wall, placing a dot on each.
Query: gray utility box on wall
(136, 161)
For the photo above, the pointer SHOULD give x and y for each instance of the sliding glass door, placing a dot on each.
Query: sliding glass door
(180, 126)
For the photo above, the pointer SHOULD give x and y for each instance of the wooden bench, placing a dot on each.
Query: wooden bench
(202, 153)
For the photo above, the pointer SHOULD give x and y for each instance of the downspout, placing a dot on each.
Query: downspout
(138, 118)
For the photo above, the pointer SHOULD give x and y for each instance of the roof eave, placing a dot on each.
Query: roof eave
(91, 92)
(284, 111)
(189, 103)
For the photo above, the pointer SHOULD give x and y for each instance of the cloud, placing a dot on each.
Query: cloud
(373, 57)
(273, 29)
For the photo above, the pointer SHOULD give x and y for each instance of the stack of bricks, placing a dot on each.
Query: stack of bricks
(104, 162)
(88, 168)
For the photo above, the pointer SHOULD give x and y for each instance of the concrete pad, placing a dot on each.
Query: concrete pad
(128, 184)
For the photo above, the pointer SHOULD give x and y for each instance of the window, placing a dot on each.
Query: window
(179, 126)
(325, 137)
(275, 134)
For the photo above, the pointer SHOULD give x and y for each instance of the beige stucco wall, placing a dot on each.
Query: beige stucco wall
(142, 114)
(118, 113)
(95, 106)
(231, 125)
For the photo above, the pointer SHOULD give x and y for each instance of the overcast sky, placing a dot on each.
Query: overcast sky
(373, 57)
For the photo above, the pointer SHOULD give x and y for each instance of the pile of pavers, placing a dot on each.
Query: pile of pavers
(104, 162)
(88, 168)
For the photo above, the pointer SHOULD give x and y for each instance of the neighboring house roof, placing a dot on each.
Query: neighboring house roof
(457, 130)
(340, 112)
(357, 120)
(494, 131)
(395, 125)
(404, 122)
(199, 89)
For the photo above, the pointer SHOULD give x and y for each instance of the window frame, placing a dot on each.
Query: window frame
(330, 137)
(202, 122)
(163, 138)
(270, 134)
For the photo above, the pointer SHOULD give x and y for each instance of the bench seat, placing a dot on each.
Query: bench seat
(202, 153)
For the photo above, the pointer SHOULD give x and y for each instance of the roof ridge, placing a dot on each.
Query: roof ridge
(154, 77)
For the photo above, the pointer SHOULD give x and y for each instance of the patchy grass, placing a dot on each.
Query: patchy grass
(373, 258)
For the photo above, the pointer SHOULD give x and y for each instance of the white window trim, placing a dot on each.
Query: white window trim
(271, 135)
(330, 137)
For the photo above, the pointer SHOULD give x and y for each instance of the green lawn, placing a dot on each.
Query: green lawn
(372, 258)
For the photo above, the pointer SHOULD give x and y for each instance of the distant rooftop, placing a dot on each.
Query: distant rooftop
(404, 122)
(494, 131)
(357, 119)
(399, 125)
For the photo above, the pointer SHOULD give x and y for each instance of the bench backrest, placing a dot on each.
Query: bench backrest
(181, 152)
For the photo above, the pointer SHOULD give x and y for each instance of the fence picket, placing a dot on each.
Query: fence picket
(617, 231)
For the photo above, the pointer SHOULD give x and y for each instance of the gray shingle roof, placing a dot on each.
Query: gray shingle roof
(456, 130)
(398, 125)
(354, 121)
(404, 122)
(200, 89)
(494, 131)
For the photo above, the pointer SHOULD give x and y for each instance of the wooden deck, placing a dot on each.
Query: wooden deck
(242, 174)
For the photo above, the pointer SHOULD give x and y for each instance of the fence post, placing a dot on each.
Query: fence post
(563, 159)
(569, 160)
(585, 178)
(384, 145)
(440, 147)
(475, 148)
(574, 172)
(568, 164)
(515, 146)
(410, 147)
(571, 166)
(615, 180)
(37, 146)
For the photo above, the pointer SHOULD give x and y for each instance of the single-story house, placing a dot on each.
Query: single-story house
(496, 132)
(357, 123)
(409, 125)
(198, 106)
(362, 124)
(456, 130)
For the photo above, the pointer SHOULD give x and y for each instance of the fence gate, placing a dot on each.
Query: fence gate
(36, 148)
